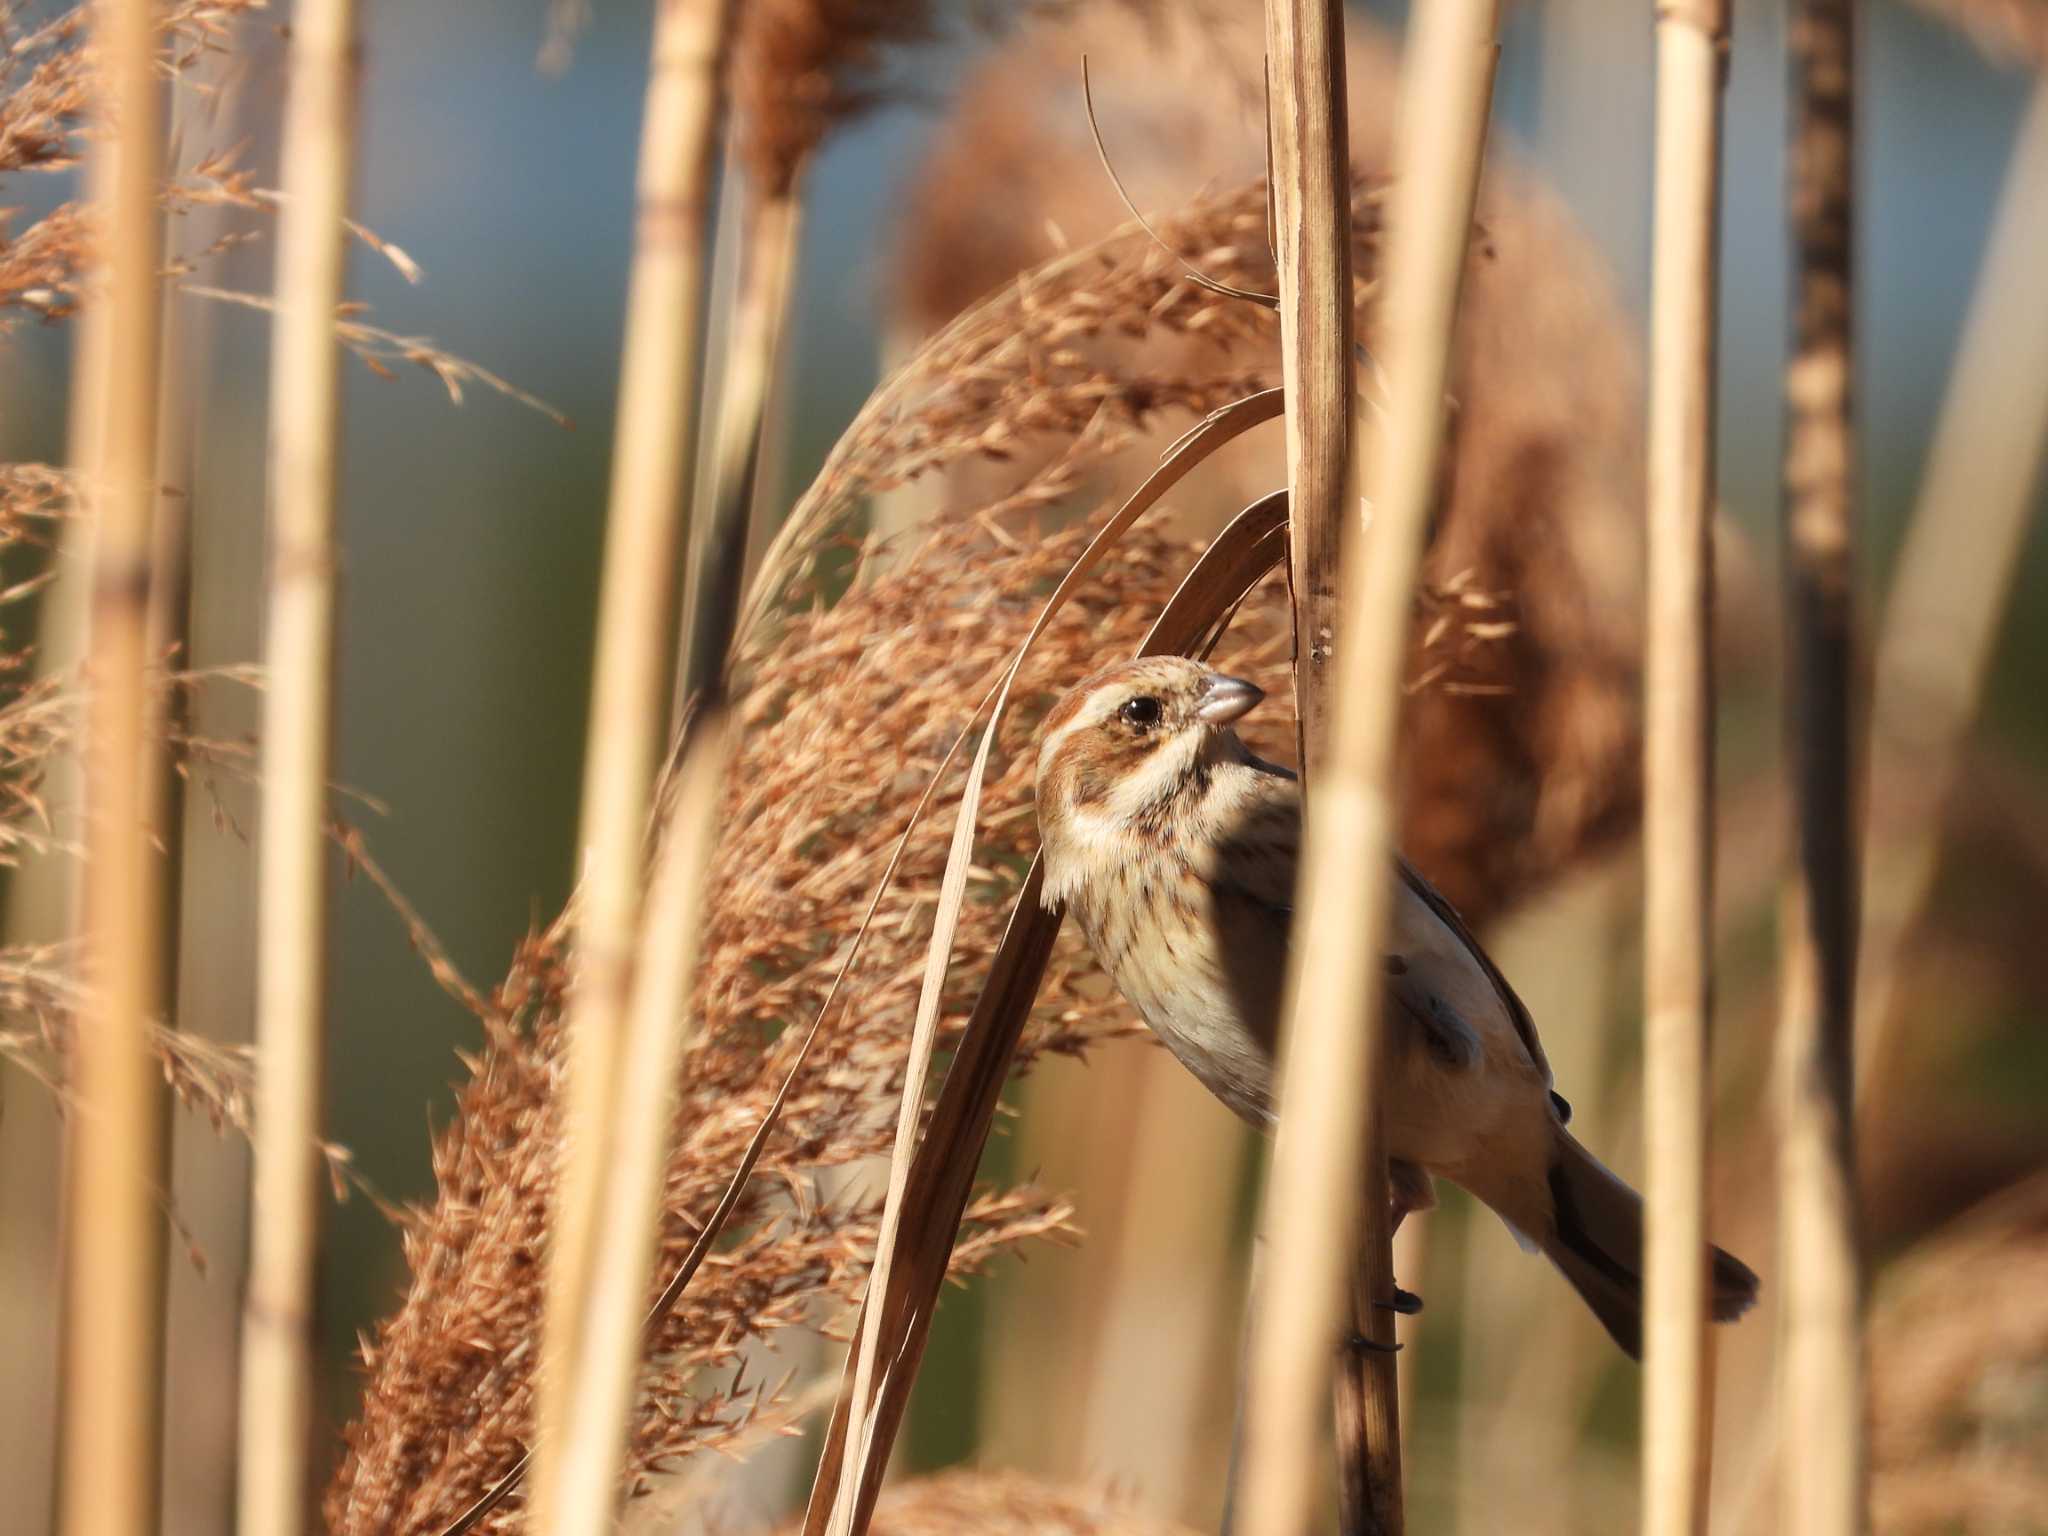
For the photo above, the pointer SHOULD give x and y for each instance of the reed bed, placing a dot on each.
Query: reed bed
(657, 1165)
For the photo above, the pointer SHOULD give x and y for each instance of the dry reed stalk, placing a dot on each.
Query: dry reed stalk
(1955, 574)
(1823, 1489)
(753, 357)
(800, 69)
(1309, 145)
(626, 1235)
(113, 1319)
(1331, 1052)
(643, 537)
(1678, 769)
(278, 1389)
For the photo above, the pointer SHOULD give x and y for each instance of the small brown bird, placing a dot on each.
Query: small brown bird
(1174, 847)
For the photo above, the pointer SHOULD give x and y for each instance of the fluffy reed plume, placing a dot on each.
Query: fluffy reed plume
(802, 67)
(1543, 490)
(1006, 1504)
(1959, 1410)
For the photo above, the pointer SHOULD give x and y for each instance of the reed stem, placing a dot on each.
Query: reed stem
(643, 539)
(1678, 768)
(278, 1368)
(1321, 1220)
(1821, 1388)
(110, 1434)
(625, 1237)
(751, 367)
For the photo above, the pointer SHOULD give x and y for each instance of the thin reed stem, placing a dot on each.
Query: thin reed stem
(1678, 769)
(624, 1238)
(110, 1436)
(643, 538)
(1823, 1489)
(1319, 1217)
(1953, 584)
(278, 1372)
(752, 362)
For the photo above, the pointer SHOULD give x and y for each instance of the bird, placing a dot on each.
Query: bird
(1174, 848)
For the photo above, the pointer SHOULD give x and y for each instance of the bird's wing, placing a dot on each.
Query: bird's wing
(1469, 956)
(1437, 970)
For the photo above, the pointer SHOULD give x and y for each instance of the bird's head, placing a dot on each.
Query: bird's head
(1122, 744)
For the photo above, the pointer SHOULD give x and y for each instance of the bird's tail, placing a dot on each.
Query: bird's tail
(1596, 1240)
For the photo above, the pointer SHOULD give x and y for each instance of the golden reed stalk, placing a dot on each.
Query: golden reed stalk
(1317, 1217)
(1678, 768)
(659, 1024)
(278, 1388)
(1823, 1490)
(113, 1313)
(644, 525)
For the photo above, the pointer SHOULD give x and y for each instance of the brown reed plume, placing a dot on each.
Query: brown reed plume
(1543, 488)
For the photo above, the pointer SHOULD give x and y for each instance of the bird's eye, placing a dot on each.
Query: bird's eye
(1141, 712)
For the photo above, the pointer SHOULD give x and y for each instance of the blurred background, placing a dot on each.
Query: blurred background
(472, 543)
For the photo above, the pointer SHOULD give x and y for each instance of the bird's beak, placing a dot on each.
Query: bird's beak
(1225, 699)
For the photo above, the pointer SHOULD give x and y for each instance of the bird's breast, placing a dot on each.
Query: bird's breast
(1155, 934)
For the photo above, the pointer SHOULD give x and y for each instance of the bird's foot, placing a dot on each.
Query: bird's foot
(1407, 1303)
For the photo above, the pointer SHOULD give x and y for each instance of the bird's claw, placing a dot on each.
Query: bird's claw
(1359, 1344)
(1407, 1303)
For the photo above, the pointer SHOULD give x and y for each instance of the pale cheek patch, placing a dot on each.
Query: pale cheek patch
(1159, 777)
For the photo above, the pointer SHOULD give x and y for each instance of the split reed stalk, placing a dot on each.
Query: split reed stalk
(643, 537)
(1821, 1387)
(1318, 1215)
(602, 1394)
(1953, 585)
(752, 363)
(113, 1316)
(1678, 768)
(275, 1436)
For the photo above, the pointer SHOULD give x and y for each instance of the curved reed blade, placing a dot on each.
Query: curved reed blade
(941, 1172)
